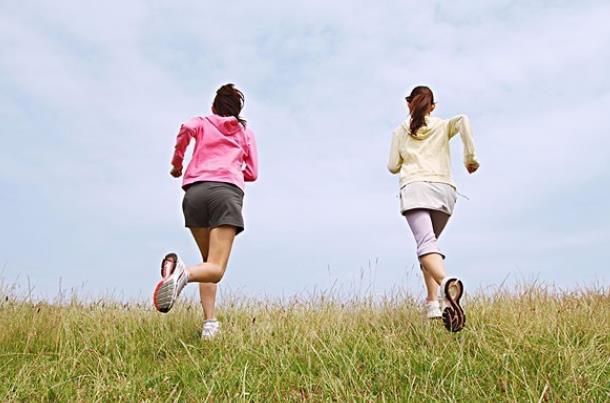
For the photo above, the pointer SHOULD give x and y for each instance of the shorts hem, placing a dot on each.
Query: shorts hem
(239, 228)
(430, 253)
(403, 212)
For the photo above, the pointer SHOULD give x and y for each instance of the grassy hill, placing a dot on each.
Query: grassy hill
(530, 345)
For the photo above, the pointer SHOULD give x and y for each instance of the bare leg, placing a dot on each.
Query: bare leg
(212, 270)
(431, 286)
(439, 222)
(434, 266)
(207, 291)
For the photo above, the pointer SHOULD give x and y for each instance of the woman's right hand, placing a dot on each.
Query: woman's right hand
(176, 172)
(472, 167)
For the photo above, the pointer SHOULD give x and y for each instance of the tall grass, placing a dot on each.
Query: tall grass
(534, 344)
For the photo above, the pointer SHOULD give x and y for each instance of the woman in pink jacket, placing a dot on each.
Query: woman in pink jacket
(223, 159)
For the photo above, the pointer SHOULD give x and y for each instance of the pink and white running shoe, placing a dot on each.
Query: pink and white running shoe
(175, 278)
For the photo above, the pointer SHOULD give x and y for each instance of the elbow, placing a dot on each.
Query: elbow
(250, 176)
(394, 169)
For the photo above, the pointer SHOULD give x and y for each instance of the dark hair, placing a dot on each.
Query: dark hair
(420, 101)
(229, 101)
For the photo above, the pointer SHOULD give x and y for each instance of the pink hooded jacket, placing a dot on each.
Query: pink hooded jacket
(224, 151)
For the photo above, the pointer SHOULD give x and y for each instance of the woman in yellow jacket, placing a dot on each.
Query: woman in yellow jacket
(420, 154)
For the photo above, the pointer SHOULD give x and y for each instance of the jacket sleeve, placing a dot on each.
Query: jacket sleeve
(251, 160)
(187, 131)
(395, 161)
(461, 124)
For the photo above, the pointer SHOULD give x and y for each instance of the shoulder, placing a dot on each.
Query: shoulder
(194, 122)
(434, 121)
(401, 130)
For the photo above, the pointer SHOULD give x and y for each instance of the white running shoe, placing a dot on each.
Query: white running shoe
(175, 278)
(432, 310)
(211, 328)
(454, 317)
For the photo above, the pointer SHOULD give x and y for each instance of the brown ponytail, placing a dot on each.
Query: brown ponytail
(229, 101)
(420, 101)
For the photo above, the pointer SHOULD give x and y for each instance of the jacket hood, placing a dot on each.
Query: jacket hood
(424, 131)
(227, 125)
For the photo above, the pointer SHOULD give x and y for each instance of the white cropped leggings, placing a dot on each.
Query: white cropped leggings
(426, 226)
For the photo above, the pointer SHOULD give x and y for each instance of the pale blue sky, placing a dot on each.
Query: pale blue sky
(91, 96)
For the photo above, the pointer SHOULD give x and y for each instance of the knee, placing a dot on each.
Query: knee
(216, 273)
(426, 244)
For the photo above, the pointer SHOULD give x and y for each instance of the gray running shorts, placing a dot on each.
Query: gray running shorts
(212, 204)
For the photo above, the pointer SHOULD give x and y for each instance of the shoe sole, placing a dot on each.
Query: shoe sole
(454, 317)
(163, 295)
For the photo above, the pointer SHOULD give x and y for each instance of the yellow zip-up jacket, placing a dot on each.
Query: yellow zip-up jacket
(425, 156)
